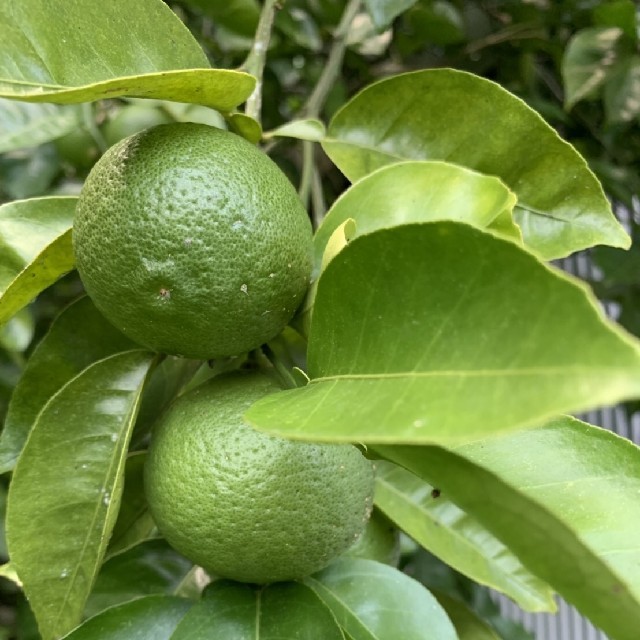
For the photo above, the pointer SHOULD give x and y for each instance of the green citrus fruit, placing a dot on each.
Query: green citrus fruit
(131, 119)
(191, 241)
(245, 505)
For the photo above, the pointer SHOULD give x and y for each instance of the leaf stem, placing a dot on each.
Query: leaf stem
(318, 96)
(254, 64)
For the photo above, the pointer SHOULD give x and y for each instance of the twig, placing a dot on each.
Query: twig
(254, 64)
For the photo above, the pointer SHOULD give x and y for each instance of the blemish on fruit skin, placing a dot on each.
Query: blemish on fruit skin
(244, 289)
(165, 294)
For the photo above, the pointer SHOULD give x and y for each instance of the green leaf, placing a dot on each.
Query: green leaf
(66, 488)
(586, 61)
(245, 126)
(373, 601)
(622, 92)
(240, 16)
(78, 337)
(563, 498)
(617, 13)
(383, 12)
(24, 125)
(417, 192)
(35, 249)
(150, 618)
(442, 114)
(281, 611)
(134, 523)
(467, 624)
(307, 129)
(45, 49)
(151, 567)
(413, 326)
(458, 539)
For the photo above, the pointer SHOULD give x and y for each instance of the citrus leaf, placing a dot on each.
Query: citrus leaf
(240, 16)
(308, 129)
(373, 601)
(151, 567)
(458, 539)
(24, 125)
(412, 326)
(383, 12)
(245, 126)
(35, 249)
(563, 498)
(467, 624)
(45, 47)
(587, 59)
(134, 523)
(622, 92)
(150, 618)
(68, 483)
(417, 192)
(78, 337)
(280, 611)
(442, 114)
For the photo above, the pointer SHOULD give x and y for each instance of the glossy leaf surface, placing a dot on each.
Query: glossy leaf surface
(150, 618)
(35, 249)
(442, 114)
(44, 49)
(281, 611)
(77, 338)
(417, 192)
(308, 129)
(68, 483)
(563, 497)
(134, 523)
(372, 601)
(151, 567)
(414, 326)
(458, 539)
(587, 59)
(24, 125)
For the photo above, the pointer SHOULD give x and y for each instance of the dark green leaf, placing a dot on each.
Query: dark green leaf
(24, 125)
(433, 332)
(442, 114)
(622, 91)
(587, 59)
(83, 51)
(150, 618)
(30, 173)
(78, 337)
(563, 498)
(383, 12)
(35, 249)
(281, 611)
(245, 126)
(458, 539)
(134, 523)
(151, 567)
(617, 13)
(467, 624)
(373, 601)
(240, 16)
(66, 488)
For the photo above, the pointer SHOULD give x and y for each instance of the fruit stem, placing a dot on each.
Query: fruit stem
(318, 96)
(254, 64)
(284, 375)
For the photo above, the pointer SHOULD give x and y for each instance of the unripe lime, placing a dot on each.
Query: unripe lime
(192, 242)
(245, 505)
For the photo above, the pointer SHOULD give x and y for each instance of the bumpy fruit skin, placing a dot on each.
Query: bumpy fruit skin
(245, 505)
(191, 241)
